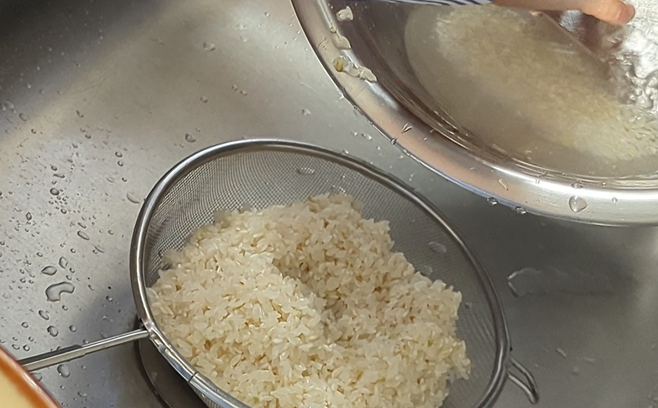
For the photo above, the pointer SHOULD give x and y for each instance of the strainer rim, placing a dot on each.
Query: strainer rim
(138, 258)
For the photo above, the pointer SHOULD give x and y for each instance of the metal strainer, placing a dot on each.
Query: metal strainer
(260, 173)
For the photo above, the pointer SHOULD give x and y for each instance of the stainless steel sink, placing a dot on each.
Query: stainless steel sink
(100, 98)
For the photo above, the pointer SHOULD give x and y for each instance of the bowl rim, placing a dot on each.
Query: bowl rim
(27, 385)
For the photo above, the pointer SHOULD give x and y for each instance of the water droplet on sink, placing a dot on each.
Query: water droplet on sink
(83, 235)
(561, 352)
(118, 154)
(73, 328)
(63, 370)
(132, 197)
(438, 248)
(28, 216)
(82, 394)
(492, 201)
(7, 105)
(189, 137)
(109, 298)
(25, 325)
(520, 210)
(99, 249)
(23, 116)
(54, 191)
(577, 204)
(208, 46)
(305, 171)
(614, 200)
(52, 330)
(54, 292)
(63, 262)
(49, 270)
(44, 315)
(577, 185)
(120, 163)
(366, 136)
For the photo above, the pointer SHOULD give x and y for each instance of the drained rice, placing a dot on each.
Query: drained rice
(306, 305)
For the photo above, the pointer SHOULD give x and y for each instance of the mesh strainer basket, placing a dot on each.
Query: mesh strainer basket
(261, 173)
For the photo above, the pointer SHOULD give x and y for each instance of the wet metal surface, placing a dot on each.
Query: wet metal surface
(98, 99)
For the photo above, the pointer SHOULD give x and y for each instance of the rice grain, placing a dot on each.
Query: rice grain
(306, 305)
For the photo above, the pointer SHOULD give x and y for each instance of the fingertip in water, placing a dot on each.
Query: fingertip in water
(630, 13)
(626, 15)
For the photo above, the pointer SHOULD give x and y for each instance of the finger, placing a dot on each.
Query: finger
(613, 12)
(543, 5)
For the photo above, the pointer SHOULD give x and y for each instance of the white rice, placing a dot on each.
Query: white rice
(519, 85)
(549, 83)
(306, 305)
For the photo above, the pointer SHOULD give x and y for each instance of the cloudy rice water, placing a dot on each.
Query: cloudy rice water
(306, 305)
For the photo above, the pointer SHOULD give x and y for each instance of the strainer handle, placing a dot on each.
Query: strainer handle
(65, 354)
(527, 384)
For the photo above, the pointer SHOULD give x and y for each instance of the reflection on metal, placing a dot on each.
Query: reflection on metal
(166, 382)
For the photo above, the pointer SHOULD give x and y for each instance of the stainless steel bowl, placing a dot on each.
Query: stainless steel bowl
(566, 185)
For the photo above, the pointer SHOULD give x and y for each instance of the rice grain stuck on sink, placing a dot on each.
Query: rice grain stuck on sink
(306, 305)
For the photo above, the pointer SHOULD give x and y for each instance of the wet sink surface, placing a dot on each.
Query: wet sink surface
(99, 98)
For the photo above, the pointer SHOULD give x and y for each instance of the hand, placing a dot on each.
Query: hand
(613, 12)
